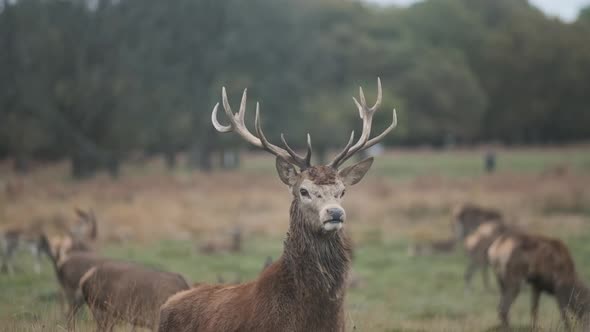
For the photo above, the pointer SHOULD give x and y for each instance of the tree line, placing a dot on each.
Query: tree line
(98, 81)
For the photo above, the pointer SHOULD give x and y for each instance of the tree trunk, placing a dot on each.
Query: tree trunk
(171, 159)
(114, 166)
(229, 158)
(83, 165)
(21, 164)
(201, 152)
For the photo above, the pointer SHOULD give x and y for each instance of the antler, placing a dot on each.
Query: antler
(366, 115)
(238, 125)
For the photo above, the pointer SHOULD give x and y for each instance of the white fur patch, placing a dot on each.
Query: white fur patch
(333, 226)
(500, 252)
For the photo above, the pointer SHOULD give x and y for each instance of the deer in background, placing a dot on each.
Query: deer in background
(214, 247)
(545, 264)
(34, 237)
(477, 227)
(304, 289)
(426, 248)
(71, 256)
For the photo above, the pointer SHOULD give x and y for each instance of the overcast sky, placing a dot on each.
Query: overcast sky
(565, 9)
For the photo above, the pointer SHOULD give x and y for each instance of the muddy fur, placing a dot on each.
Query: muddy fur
(117, 291)
(547, 266)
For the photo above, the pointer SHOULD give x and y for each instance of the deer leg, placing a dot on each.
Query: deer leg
(485, 277)
(103, 322)
(3, 250)
(509, 294)
(535, 296)
(471, 268)
(75, 305)
(34, 248)
(61, 298)
(562, 302)
(4, 265)
(7, 266)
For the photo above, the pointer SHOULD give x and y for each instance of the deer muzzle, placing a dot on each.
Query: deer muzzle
(332, 217)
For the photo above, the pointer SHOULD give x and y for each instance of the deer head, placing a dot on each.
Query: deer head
(85, 228)
(317, 190)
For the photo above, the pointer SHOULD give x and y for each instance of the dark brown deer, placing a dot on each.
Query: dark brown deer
(477, 227)
(117, 291)
(304, 289)
(545, 264)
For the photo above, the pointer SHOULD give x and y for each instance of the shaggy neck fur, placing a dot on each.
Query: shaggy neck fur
(318, 262)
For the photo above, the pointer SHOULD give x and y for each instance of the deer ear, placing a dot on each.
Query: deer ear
(287, 172)
(351, 175)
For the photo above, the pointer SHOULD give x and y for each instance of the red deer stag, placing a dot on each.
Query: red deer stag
(545, 264)
(304, 289)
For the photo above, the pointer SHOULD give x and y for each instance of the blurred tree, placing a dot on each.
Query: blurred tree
(94, 81)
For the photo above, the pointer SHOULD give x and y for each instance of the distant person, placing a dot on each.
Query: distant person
(490, 162)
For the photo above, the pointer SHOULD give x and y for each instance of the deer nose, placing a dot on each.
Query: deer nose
(336, 213)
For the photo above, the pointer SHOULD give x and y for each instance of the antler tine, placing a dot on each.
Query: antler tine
(379, 96)
(301, 160)
(218, 126)
(381, 136)
(362, 96)
(238, 125)
(242, 110)
(337, 160)
(309, 150)
(366, 115)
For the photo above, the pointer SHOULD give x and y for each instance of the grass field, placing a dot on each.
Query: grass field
(161, 218)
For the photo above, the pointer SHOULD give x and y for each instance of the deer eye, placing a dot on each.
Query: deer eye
(342, 193)
(304, 192)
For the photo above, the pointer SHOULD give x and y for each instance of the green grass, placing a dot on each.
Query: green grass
(397, 292)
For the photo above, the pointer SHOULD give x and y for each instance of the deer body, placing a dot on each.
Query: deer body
(69, 272)
(117, 291)
(304, 289)
(546, 265)
(34, 236)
